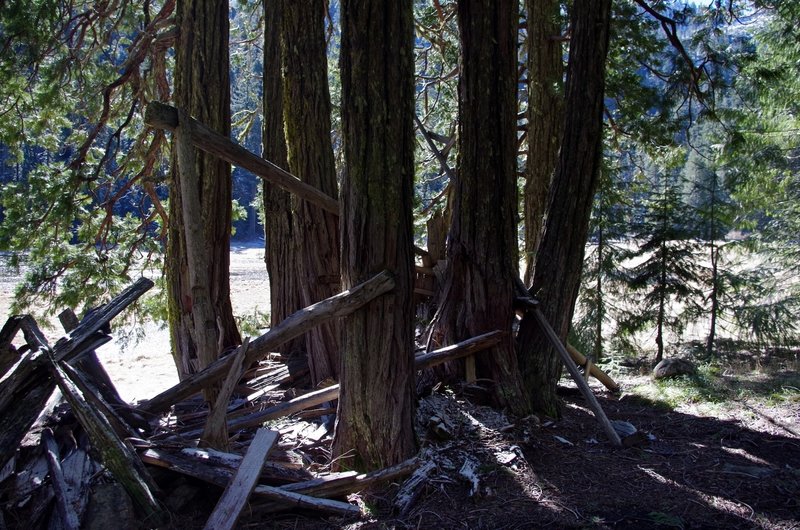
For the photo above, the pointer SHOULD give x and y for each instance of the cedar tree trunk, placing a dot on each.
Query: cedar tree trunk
(198, 250)
(307, 110)
(281, 248)
(560, 257)
(376, 403)
(482, 245)
(545, 118)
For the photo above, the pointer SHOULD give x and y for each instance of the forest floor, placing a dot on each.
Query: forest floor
(720, 449)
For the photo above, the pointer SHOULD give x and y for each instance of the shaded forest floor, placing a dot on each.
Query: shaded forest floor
(716, 451)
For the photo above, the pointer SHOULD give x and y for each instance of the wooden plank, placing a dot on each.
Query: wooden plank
(293, 326)
(69, 518)
(69, 347)
(234, 498)
(166, 117)
(215, 428)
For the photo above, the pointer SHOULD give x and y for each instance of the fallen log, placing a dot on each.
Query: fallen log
(295, 325)
(219, 477)
(272, 471)
(229, 507)
(163, 116)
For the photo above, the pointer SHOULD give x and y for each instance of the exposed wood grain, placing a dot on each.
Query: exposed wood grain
(69, 518)
(230, 505)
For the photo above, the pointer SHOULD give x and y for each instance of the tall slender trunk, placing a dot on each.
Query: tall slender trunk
(662, 300)
(560, 257)
(198, 250)
(376, 402)
(281, 248)
(601, 309)
(307, 108)
(545, 118)
(482, 246)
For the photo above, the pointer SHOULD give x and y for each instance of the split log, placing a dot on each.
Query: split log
(596, 372)
(78, 469)
(456, 351)
(295, 325)
(273, 471)
(118, 458)
(215, 428)
(230, 505)
(34, 338)
(412, 488)
(78, 342)
(95, 400)
(69, 518)
(163, 116)
(24, 392)
(219, 477)
(340, 484)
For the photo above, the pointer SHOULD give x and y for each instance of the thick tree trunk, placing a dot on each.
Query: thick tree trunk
(281, 247)
(198, 250)
(376, 404)
(560, 256)
(482, 245)
(307, 109)
(545, 117)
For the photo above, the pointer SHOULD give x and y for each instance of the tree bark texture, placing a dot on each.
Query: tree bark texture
(307, 109)
(376, 404)
(560, 256)
(545, 118)
(198, 271)
(281, 248)
(482, 245)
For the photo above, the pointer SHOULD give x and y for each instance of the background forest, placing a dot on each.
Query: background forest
(693, 233)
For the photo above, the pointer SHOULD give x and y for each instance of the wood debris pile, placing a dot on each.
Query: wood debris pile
(65, 434)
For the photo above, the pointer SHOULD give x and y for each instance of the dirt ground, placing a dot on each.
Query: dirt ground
(697, 464)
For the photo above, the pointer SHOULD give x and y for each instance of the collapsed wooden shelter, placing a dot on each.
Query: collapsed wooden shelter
(62, 418)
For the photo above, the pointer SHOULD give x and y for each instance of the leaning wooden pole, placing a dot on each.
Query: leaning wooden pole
(161, 116)
(576, 375)
(527, 303)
